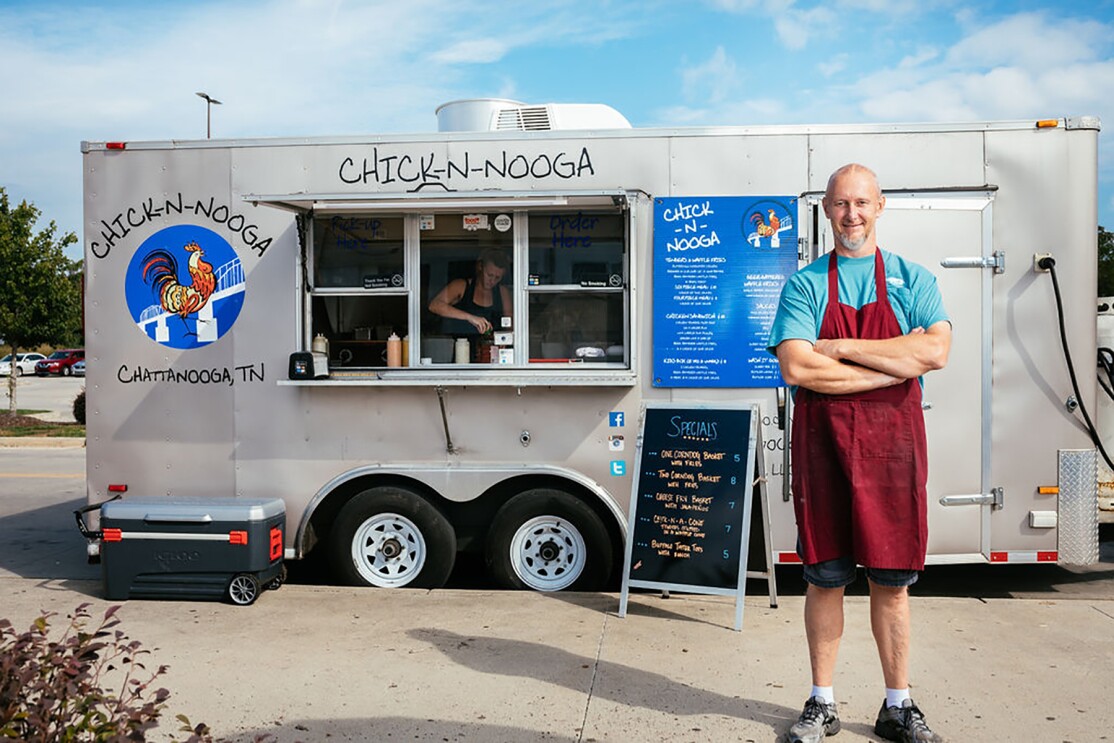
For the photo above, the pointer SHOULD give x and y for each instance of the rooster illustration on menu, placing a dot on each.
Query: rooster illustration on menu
(764, 228)
(160, 270)
(768, 227)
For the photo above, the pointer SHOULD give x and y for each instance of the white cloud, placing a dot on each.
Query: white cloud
(798, 23)
(833, 66)
(1028, 65)
(1031, 41)
(473, 51)
(713, 80)
(926, 54)
(796, 27)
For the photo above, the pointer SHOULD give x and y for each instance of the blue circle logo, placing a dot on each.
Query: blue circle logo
(765, 222)
(184, 287)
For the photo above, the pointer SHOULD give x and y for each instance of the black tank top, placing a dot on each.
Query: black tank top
(491, 313)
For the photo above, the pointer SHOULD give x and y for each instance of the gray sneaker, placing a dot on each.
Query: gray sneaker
(818, 719)
(905, 724)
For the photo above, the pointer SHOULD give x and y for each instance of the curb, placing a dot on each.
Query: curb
(41, 442)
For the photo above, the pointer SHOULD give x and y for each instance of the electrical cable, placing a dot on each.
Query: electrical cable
(1106, 363)
(1049, 263)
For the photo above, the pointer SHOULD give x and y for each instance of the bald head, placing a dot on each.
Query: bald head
(849, 169)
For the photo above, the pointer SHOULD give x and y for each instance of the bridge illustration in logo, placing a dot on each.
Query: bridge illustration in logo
(230, 281)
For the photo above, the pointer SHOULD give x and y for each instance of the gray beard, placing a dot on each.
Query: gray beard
(850, 244)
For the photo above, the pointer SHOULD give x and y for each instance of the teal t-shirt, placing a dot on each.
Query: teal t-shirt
(912, 289)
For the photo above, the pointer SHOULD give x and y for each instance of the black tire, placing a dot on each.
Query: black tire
(67, 371)
(391, 537)
(243, 589)
(547, 540)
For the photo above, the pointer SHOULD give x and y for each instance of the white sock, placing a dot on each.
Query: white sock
(894, 697)
(825, 693)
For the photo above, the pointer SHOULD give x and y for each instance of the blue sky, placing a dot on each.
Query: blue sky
(129, 70)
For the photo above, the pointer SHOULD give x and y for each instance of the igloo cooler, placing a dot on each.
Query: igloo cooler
(168, 548)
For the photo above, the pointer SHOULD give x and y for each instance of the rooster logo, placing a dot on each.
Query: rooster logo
(765, 222)
(764, 228)
(188, 296)
(160, 270)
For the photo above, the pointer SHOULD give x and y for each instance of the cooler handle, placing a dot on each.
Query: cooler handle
(80, 514)
(178, 518)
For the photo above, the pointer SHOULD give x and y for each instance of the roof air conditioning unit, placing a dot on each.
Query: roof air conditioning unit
(499, 114)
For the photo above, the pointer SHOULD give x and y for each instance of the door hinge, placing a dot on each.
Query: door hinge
(996, 261)
(994, 499)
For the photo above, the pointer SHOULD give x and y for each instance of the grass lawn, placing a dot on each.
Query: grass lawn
(24, 423)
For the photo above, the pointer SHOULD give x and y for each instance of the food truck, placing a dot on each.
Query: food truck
(258, 325)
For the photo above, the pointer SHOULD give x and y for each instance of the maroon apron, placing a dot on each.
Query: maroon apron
(860, 460)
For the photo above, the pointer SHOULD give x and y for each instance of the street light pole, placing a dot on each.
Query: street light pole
(209, 101)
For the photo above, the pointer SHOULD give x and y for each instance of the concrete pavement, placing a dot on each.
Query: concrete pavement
(307, 662)
(310, 663)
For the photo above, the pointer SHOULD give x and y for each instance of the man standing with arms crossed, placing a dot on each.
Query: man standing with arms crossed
(854, 332)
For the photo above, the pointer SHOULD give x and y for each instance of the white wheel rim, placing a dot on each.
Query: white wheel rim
(548, 553)
(388, 550)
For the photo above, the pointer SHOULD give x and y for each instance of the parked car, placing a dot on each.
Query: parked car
(60, 362)
(79, 368)
(24, 363)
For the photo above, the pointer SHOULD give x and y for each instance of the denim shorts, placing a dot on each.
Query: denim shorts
(842, 572)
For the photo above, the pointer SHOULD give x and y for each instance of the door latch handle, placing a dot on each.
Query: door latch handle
(997, 261)
(994, 499)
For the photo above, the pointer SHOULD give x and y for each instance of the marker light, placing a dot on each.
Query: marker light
(114, 145)
(1048, 124)
(118, 488)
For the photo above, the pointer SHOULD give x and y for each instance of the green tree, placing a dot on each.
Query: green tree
(40, 301)
(1106, 263)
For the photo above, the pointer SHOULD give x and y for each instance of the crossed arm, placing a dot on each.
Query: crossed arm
(847, 365)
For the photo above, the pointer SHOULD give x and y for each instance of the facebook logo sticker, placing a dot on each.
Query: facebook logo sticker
(618, 467)
(615, 419)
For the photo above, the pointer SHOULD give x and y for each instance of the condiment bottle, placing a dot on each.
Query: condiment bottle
(394, 350)
(462, 353)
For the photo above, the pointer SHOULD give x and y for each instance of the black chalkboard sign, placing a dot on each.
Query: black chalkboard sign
(690, 512)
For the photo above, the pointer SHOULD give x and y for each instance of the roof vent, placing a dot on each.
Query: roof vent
(499, 114)
(524, 118)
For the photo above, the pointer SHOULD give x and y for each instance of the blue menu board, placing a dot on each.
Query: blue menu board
(719, 265)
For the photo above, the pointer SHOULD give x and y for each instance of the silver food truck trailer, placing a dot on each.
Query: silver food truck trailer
(258, 326)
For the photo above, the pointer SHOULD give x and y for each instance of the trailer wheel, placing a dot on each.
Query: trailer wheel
(547, 540)
(390, 537)
(243, 589)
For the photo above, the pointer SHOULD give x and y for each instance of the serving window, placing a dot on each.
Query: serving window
(577, 287)
(528, 288)
(355, 252)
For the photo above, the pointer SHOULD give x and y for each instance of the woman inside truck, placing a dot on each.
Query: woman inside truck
(473, 307)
